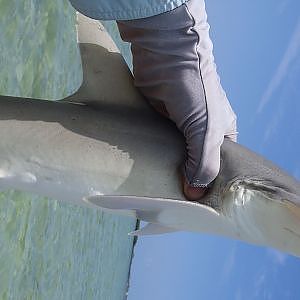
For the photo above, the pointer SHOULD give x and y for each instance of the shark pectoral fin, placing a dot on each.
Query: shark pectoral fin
(155, 210)
(96, 200)
(139, 203)
(114, 202)
(152, 229)
(142, 208)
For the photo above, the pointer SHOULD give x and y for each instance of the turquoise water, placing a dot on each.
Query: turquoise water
(50, 249)
(39, 56)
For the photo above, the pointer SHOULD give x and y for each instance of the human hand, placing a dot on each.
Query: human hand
(174, 69)
(190, 192)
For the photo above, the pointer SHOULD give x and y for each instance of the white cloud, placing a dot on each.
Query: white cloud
(272, 125)
(282, 6)
(260, 280)
(228, 265)
(238, 295)
(259, 283)
(277, 256)
(290, 54)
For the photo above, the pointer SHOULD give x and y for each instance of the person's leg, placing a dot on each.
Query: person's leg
(173, 64)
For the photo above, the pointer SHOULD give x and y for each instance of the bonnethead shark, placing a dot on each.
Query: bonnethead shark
(116, 154)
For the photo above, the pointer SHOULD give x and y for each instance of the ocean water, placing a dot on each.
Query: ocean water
(51, 249)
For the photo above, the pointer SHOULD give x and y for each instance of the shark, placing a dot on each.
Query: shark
(105, 148)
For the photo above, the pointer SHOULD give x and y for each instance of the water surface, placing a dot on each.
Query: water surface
(51, 249)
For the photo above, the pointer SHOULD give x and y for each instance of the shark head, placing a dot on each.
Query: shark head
(250, 200)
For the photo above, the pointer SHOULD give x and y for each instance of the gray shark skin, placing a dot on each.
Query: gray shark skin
(105, 148)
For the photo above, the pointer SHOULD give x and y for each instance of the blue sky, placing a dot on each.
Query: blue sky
(257, 50)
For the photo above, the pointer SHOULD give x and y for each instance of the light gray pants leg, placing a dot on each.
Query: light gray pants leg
(173, 63)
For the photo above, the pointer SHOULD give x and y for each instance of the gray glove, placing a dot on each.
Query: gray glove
(173, 64)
